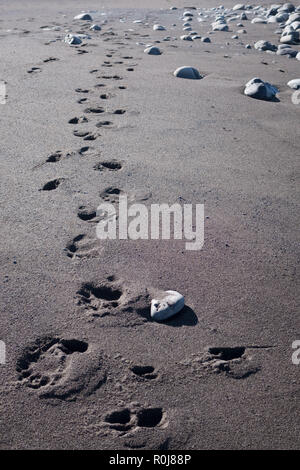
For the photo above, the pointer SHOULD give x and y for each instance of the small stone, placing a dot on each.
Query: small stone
(248, 46)
(167, 306)
(72, 40)
(257, 88)
(95, 27)
(259, 20)
(295, 83)
(83, 17)
(152, 50)
(186, 37)
(205, 39)
(158, 27)
(187, 72)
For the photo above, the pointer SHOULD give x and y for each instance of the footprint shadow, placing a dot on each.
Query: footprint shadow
(186, 317)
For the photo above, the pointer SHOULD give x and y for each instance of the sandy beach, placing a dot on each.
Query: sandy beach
(86, 366)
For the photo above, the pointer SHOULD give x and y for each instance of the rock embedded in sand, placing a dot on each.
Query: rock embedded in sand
(95, 27)
(72, 40)
(264, 46)
(83, 17)
(257, 88)
(158, 27)
(186, 37)
(167, 306)
(187, 72)
(152, 50)
(295, 83)
(205, 39)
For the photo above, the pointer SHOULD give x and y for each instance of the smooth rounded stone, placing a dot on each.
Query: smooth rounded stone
(170, 303)
(248, 46)
(257, 88)
(264, 46)
(186, 37)
(295, 25)
(188, 13)
(292, 18)
(95, 27)
(234, 36)
(187, 72)
(239, 6)
(83, 17)
(241, 31)
(290, 38)
(152, 50)
(72, 40)
(243, 17)
(219, 27)
(258, 20)
(287, 7)
(187, 28)
(298, 56)
(281, 17)
(294, 84)
(287, 51)
(158, 27)
(205, 39)
(186, 24)
(273, 10)
(196, 37)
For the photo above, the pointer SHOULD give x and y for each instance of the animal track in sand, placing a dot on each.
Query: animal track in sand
(34, 70)
(119, 111)
(85, 135)
(82, 247)
(111, 194)
(87, 214)
(144, 372)
(111, 165)
(127, 419)
(104, 124)
(50, 59)
(60, 368)
(115, 303)
(110, 77)
(81, 90)
(51, 185)
(78, 120)
(100, 299)
(94, 110)
(234, 362)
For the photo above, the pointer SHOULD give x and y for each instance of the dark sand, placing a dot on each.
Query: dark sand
(198, 141)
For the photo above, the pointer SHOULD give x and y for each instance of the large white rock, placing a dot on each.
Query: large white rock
(295, 83)
(152, 50)
(187, 72)
(257, 88)
(83, 17)
(167, 305)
